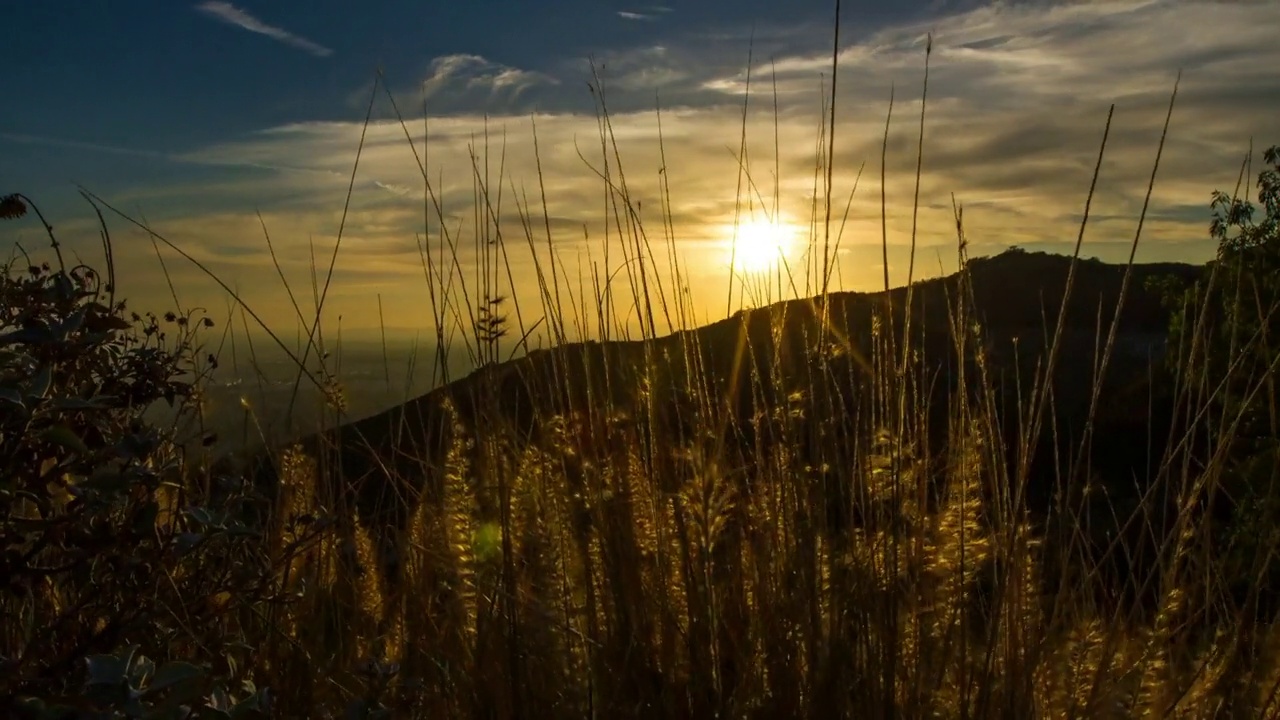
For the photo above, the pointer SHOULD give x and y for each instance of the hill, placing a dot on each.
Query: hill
(719, 393)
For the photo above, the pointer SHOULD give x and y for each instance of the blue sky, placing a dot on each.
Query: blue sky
(211, 119)
(170, 75)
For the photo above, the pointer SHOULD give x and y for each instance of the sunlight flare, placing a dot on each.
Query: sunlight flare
(761, 245)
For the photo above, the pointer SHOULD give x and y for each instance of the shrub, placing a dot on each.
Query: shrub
(1228, 325)
(121, 578)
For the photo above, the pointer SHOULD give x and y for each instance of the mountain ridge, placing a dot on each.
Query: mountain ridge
(732, 372)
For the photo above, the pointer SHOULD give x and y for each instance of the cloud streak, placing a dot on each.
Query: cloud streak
(184, 158)
(651, 12)
(457, 80)
(232, 15)
(1018, 97)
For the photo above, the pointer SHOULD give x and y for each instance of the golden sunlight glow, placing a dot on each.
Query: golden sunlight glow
(761, 245)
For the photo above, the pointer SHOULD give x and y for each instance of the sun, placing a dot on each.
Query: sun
(760, 245)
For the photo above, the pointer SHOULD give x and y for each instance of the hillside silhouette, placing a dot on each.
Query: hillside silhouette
(740, 373)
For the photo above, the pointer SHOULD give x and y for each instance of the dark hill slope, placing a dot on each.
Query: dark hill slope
(732, 375)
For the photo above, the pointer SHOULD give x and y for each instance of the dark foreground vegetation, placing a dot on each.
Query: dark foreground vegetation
(1040, 487)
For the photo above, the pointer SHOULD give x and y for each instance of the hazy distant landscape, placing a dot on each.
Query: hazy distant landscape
(372, 381)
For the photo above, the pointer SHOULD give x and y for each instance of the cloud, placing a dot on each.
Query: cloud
(1018, 96)
(460, 76)
(400, 190)
(648, 13)
(464, 83)
(232, 15)
(27, 139)
(193, 158)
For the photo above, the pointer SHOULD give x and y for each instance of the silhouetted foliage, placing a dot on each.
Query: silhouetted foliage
(1229, 322)
(116, 575)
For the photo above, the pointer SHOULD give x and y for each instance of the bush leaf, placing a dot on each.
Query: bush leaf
(109, 669)
(172, 673)
(66, 437)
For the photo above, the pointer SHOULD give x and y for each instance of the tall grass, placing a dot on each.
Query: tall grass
(792, 539)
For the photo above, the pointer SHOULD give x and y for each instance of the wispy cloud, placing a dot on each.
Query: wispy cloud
(232, 15)
(1008, 87)
(463, 81)
(1017, 98)
(652, 12)
(473, 71)
(393, 188)
(192, 158)
(26, 139)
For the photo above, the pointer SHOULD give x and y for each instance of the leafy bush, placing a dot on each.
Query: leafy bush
(1229, 328)
(109, 555)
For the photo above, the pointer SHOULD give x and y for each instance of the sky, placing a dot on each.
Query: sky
(220, 125)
